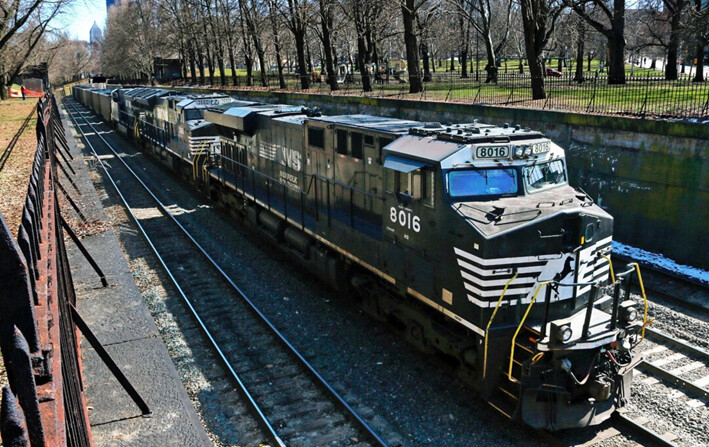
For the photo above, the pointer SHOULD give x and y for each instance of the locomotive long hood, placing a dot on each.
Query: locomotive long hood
(496, 217)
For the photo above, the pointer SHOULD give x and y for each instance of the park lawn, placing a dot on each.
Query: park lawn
(14, 177)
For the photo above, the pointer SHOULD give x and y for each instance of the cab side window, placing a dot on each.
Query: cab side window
(418, 184)
(316, 137)
(357, 150)
(341, 147)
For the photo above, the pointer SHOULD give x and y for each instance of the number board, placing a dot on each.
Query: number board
(492, 152)
(540, 148)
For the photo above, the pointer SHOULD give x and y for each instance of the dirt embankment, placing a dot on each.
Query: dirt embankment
(15, 173)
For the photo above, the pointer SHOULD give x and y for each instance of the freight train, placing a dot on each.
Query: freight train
(466, 237)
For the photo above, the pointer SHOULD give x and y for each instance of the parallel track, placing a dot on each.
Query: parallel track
(672, 286)
(290, 401)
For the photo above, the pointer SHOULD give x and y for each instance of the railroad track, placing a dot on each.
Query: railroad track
(290, 401)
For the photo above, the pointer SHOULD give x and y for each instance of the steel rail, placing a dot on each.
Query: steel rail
(643, 431)
(699, 352)
(666, 375)
(254, 406)
(669, 376)
(319, 379)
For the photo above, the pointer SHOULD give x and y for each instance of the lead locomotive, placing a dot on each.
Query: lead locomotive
(466, 237)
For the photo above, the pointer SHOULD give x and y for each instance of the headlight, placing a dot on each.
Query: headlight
(628, 311)
(519, 150)
(528, 151)
(564, 333)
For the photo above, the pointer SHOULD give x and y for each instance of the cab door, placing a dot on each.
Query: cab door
(409, 220)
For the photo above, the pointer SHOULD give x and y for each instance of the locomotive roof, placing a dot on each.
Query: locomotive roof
(377, 123)
(434, 142)
(474, 133)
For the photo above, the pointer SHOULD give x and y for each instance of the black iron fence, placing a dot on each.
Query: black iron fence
(44, 404)
(645, 95)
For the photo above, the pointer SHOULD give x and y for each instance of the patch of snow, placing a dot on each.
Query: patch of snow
(661, 261)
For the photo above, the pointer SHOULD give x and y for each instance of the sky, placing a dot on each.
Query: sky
(77, 21)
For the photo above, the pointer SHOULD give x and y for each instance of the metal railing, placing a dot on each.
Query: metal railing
(44, 404)
(647, 95)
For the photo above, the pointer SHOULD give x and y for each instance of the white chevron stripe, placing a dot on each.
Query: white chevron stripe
(495, 261)
(502, 271)
(496, 293)
(497, 282)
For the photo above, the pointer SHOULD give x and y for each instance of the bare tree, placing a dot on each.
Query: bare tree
(609, 21)
(538, 19)
(296, 14)
(23, 24)
(409, 11)
(486, 16)
(698, 27)
(326, 24)
(272, 8)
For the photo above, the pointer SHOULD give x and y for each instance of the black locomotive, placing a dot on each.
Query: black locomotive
(467, 237)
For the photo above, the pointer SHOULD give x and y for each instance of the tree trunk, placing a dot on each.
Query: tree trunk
(490, 68)
(193, 65)
(200, 63)
(673, 47)
(616, 44)
(464, 62)
(232, 62)
(616, 62)
(276, 45)
(249, 69)
(362, 65)
(262, 63)
(412, 48)
(325, 24)
(310, 59)
(578, 76)
(536, 71)
(302, 65)
(222, 71)
(701, 43)
(427, 77)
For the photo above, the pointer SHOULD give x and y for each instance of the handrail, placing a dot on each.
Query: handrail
(521, 323)
(642, 290)
(610, 264)
(492, 317)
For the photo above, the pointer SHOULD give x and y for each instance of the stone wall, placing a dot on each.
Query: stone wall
(652, 176)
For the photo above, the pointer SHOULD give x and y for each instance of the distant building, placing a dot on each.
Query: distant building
(95, 35)
(167, 69)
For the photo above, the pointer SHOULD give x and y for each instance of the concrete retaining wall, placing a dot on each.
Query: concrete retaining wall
(653, 176)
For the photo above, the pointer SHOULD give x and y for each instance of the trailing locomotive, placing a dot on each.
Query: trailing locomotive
(466, 237)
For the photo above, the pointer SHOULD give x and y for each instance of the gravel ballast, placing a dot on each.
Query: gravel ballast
(374, 368)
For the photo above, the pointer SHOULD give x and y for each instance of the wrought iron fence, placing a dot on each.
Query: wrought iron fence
(44, 404)
(644, 96)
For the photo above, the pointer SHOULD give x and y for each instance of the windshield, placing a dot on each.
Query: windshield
(194, 114)
(544, 175)
(482, 182)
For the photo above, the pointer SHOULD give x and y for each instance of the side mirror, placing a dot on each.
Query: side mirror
(403, 198)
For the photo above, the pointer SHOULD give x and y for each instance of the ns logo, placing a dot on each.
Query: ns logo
(290, 157)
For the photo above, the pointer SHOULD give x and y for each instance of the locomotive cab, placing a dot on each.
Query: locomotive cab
(519, 257)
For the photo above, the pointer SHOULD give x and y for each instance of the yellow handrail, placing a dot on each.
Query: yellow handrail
(521, 323)
(642, 289)
(492, 317)
(610, 263)
(195, 160)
